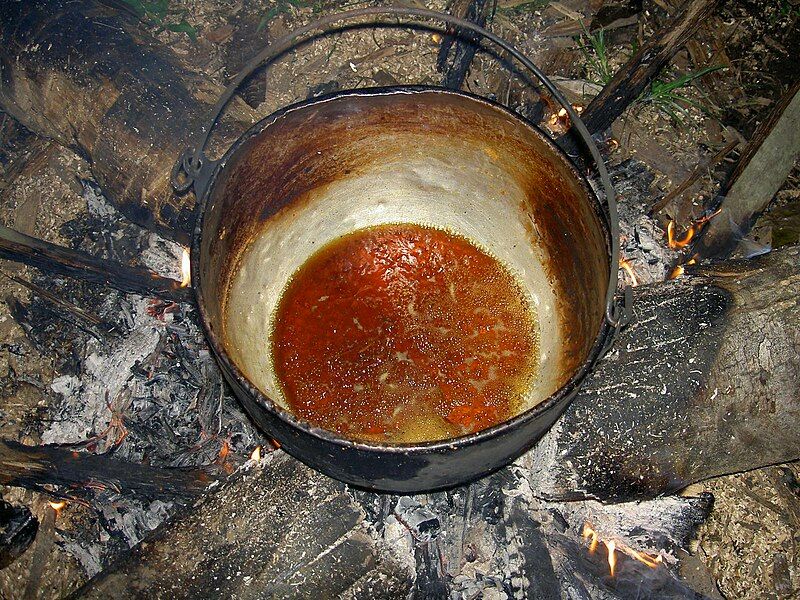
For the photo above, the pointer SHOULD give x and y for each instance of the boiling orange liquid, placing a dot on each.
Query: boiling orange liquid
(404, 333)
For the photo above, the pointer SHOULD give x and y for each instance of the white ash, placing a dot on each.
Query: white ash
(136, 519)
(642, 241)
(97, 204)
(163, 256)
(88, 556)
(497, 539)
(153, 369)
(107, 372)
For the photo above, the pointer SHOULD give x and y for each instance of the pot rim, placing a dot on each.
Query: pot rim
(565, 392)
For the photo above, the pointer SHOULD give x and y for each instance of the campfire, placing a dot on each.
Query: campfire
(135, 452)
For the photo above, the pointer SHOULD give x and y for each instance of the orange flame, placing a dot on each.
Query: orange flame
(587, 533)
(57, 506)
(677, 272)
(694, 229)
(256, 455)
(561, 118)
(650, 560)
(645, 558)
(612, 558)
(677, 244)
(186, 269)
(628, 268)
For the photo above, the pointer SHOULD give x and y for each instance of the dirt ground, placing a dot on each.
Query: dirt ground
(750, 542)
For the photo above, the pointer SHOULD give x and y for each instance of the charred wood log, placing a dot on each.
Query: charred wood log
(37, 467)
(18, 529)
(458, 48)
(52, 258)
(87, 76)
(704, 382)
(287, 532)
(633, 78)
(762, 169)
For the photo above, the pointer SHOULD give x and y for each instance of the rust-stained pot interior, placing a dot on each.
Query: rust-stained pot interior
(313, 173)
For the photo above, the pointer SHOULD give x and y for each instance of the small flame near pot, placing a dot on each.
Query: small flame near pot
(628, 268)
(57, 506)
(650, 560)
(186, 269)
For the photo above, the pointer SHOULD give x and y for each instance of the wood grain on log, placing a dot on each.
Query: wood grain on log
(704, 382)
(762, 169)
(55, 259)
(86, 76)
(38, 467)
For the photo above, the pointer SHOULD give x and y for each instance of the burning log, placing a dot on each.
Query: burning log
(86, 76)
(761, 171)
(59, 260)
(704, 382)
(36, 467)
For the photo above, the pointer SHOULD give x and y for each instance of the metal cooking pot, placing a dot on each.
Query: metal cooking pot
(314, 171)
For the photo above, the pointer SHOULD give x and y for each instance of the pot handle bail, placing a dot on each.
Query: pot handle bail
(194, 168)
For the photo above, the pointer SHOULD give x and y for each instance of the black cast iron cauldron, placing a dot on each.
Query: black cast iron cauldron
(316, 170)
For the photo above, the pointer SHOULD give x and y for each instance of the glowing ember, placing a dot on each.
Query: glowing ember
(256, 455)
(678, 243)
(57, 506)
(578, 108)
(628, 268)
(677, 272)
(186, 270)
(613, 547)
(612, 558)
(224, 450)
